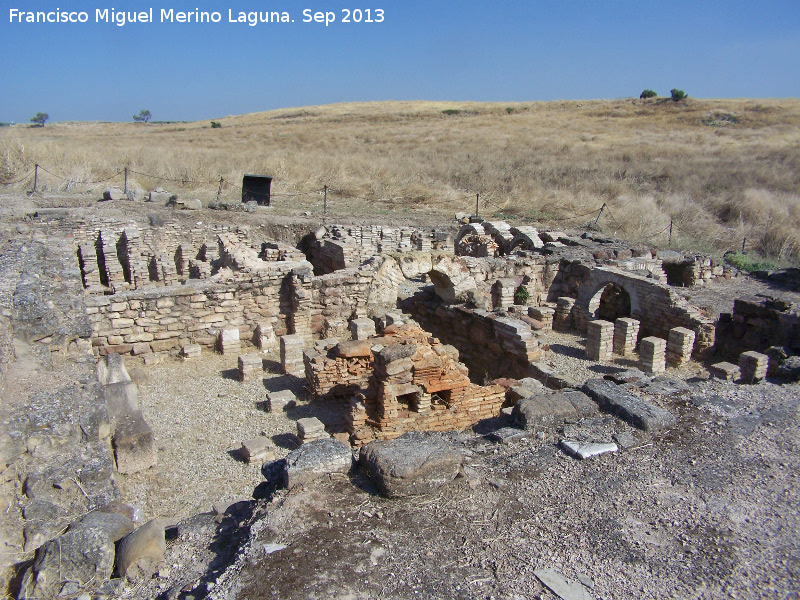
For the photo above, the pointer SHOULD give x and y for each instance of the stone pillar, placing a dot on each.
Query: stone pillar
(292, 355)
(626, 333)
(600, 335)
(652, 354)
(562, 319)
(361, 329)
(753, 366)
(265, 337)
(679, 346)
(229, 342)
(503, 293)
(250, 366)
(544, 314)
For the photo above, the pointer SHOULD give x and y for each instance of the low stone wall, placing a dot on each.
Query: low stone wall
(492, 345)
(756, 324)
(170, 317)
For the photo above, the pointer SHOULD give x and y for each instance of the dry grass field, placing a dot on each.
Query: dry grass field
(722, 170)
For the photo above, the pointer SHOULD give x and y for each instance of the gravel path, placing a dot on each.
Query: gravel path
(200, 414)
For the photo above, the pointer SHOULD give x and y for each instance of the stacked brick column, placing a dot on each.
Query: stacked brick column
(599, 340)
(652, 354)
(753, 366)
(292, 355)
(562, 319)
(543, 314)
(626, 333)
(679, 346)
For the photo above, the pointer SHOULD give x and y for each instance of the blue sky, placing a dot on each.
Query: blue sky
(437, 50)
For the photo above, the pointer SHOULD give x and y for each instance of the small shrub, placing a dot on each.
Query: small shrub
(5, 124)
(521, 295)
(215, 124)
(720, 119)
(677, 95)
(509, 109)
(648, 94)
(743, 262)
(451, 111)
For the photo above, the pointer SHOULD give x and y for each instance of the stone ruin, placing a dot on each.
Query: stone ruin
(400, 329)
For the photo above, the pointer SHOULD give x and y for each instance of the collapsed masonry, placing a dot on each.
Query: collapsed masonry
(403, 380)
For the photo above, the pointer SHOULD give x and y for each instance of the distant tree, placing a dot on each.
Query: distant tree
(648, 94)
(39, 119)
(677, 95)
(143, 116)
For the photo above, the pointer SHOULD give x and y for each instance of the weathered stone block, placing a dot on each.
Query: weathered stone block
(628, 406)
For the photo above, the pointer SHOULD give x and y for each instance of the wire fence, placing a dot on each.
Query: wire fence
(480, 199)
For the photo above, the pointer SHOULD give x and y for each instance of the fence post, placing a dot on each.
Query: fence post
(477, 196)
(602, 208)
(744, 239)
(219, 189)
(670, 233)
(325, 202)
(126, 180)
(35, 177)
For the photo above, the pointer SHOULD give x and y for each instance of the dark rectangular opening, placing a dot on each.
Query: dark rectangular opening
(256, 188)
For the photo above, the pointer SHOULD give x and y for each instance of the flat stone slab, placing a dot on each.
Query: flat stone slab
(725, 371)
(561, 586)
(316, 459)
(257, 449)
(506, 435)
(543, 411)
(309, 426)
(627, 406)
(583, 450)
(413, 464)
(280, 400)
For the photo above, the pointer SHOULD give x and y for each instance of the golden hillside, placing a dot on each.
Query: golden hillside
(722, 170)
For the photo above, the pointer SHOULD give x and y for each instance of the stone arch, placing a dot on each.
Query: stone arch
(591, 291)
(525, 238)
(469, 229)
(610, 302)
(501, 234)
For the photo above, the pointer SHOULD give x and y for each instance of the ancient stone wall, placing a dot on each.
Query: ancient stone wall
(170, 317)
(490, 344)
(756, 324)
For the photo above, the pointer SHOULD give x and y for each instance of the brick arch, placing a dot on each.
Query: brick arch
(592, 288)
(525, 237)
(470, 229)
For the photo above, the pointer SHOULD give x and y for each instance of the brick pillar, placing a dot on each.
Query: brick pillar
(679, 346)
(626, 333)
(600, 335)
(543, 314)
(292, 355)
(652, 354)
(562, 319)
(753, 366)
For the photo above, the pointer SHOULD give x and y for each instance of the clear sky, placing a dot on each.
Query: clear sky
(434, 50)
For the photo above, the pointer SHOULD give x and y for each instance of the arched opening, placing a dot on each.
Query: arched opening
(82, 265)
(101, 261)
(152, 269)
(610, 303)
(123, 257)
(179, 263)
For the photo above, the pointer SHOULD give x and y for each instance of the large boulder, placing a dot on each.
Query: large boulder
(543, 411)
(316, 459)
(618, 401)
(415, 463)
(140, 551)
(84, 555)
